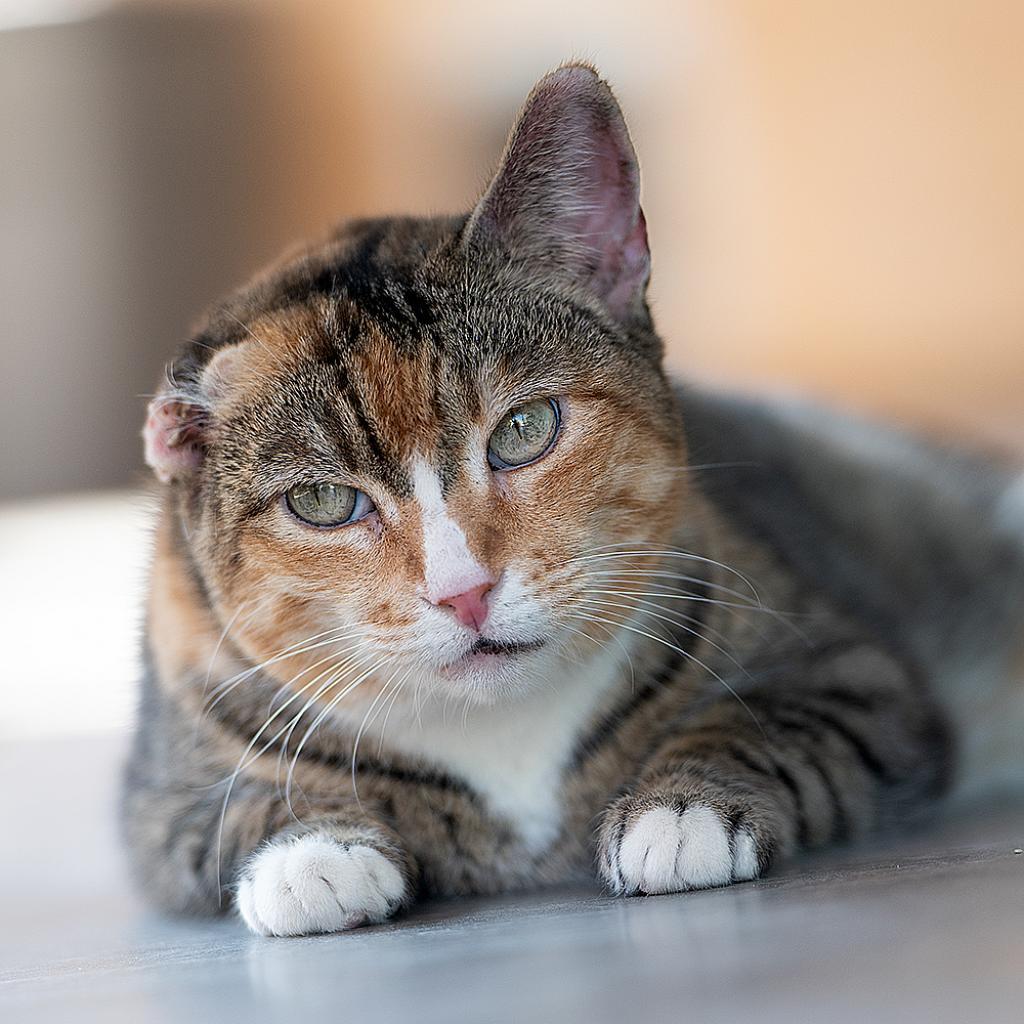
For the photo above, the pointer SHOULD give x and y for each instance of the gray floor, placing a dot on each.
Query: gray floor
(928, 926)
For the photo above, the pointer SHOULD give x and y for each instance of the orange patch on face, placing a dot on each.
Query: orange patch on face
(184, 636)
(294, 632)
(237, 373)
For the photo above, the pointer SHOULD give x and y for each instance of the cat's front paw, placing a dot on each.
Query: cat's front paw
(308, 884)
(647, 847)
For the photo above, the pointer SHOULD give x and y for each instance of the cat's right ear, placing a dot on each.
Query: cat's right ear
(566, 197)
(179, 422)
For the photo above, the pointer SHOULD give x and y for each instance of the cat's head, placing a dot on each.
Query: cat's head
(411, 448)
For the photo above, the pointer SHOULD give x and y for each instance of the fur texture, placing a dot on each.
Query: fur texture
(673, 675)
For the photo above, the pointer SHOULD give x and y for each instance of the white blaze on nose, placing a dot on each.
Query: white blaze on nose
(449, 565)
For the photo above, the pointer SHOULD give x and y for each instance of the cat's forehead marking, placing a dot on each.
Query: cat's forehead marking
(398, 393)
(449, 567)
(417, 404)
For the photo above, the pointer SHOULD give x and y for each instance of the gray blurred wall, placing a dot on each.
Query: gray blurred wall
(129, 167)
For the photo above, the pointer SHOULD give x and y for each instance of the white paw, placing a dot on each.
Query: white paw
(312, 883)
(664, 851)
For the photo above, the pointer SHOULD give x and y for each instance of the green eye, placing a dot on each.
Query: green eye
(326, 504)
(524, 434)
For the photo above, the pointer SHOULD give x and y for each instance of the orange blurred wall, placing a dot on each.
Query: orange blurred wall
(834, 189)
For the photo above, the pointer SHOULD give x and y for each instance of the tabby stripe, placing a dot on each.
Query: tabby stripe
(411, 776)
(871, 761)
(369, 433)
(856, 701)
(840, 819)
(799, 809)
(736, 753)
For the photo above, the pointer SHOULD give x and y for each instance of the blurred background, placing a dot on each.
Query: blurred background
(834, 193)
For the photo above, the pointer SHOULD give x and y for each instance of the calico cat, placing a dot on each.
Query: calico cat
(455, 592)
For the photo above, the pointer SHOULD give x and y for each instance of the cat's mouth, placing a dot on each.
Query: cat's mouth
(486, 650)
(487, 646)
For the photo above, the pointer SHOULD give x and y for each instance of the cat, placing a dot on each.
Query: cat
(454, 591)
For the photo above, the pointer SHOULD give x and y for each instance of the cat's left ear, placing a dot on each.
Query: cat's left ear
(566, 198)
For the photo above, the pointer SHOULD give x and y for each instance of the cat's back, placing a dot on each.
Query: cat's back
(923, 542)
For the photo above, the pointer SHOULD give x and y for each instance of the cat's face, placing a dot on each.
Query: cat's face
(412, 451)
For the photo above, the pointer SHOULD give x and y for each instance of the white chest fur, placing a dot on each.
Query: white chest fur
(512, 754)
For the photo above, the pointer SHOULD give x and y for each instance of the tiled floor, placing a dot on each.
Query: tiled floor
(924, 927)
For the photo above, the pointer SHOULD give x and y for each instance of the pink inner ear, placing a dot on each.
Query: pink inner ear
(567, 192)
(613, 226)
(173, 438)
(628, 269)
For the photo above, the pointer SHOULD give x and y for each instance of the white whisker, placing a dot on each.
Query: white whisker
(359, 734)
(243, 763)
(651, 551)
(666, 615)
(689, 657)
(302, 647)
(391, 704)
(665, 574)
(325, 711)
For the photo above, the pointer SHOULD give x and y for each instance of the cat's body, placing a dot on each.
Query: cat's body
(504, 670)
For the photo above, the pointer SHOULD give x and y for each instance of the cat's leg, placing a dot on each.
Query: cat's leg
(336, 869)
(853, 744)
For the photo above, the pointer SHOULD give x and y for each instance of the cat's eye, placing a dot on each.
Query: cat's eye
(524, 434)
(327, 504)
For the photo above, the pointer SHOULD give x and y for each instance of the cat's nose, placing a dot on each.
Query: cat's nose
(470, 606)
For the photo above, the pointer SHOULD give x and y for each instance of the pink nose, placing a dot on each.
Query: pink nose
(470, 606)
